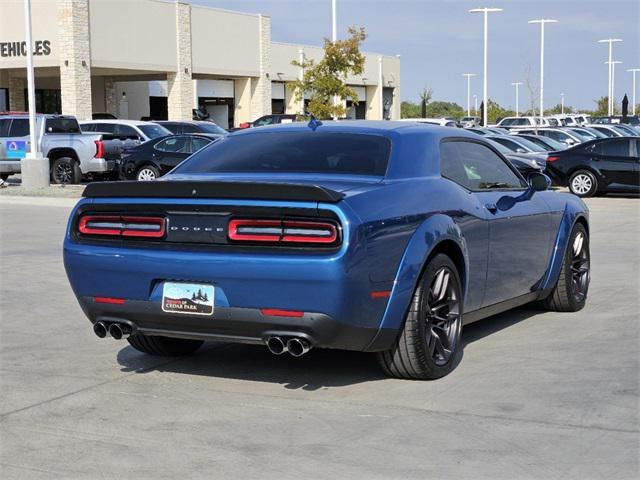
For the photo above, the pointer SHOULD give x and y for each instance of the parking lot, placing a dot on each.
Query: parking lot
(537, 395)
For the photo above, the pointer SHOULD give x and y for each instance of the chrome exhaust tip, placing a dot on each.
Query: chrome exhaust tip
(100, 329)
(276, 345)
(298, 347)
(119, 330)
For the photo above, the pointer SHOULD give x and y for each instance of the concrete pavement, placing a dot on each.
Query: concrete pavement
(537, 395)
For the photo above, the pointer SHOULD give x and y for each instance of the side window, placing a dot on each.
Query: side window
(264, 121)
(198, 142)
(173, 145)
(88, 127)
(19, 127)
(4, 127)
(476, 167)
(127, 131)
(613, 148)
(105, 127)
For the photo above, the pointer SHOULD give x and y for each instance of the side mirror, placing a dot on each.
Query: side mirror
(538, 181)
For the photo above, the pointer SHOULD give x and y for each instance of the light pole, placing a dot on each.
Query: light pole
(475, 103)
(633, 89)
(517, 85)
(34, 167)
(468, 75)
(562, 103)
(612, 66)
(334, 37)
(542, 22)
(610, 41)
(486, 12)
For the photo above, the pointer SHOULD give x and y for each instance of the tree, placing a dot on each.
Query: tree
(425, 98)
(409, 110)
(325, 81)
(602, 107)
(439, 109)
(557, 109)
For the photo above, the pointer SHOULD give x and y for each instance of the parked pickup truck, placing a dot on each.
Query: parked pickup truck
(72, 154)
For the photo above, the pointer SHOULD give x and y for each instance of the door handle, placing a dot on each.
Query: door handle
(492, 207)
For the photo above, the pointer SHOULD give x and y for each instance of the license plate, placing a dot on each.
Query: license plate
(188, 298)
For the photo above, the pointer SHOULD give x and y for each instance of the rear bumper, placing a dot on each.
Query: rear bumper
(10, 166)
(235, 325)
(99, 165)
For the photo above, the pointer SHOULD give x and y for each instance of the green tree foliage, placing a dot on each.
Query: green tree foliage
(425, 98)
(440, 109)
(325, 80)
(557, 110)
(496, 112)
(602, 107)
(409, 110)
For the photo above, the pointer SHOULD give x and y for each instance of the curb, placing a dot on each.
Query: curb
(38, 201)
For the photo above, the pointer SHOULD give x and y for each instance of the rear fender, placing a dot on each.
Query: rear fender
(573, 212)
(434, 230)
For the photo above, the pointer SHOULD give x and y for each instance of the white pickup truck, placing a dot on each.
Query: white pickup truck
(72, 154)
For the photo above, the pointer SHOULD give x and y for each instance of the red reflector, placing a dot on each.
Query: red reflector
(111, 300)
(552, 158)
(275, 312)
(381, 294)
(282, 231)
(125, 226)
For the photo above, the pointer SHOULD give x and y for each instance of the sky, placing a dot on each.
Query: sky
(438, 41)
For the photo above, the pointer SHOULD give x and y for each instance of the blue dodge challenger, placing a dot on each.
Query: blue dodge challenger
(371, 236)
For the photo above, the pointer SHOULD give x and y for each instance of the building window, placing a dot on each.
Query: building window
(47, 100)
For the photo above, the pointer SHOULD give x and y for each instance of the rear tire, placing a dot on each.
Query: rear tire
(570, 292)
(65, 170)
(164, 346)
(429, 345)
(583, 183)
(147, 173)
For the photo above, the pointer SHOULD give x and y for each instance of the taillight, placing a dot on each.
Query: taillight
(99, 149)
(245, 125)
(282, 231)
(122, 226)
(552, 158)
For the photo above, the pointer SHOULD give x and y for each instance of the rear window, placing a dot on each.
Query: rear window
(61, 125)
(153, 130)
(293, 152)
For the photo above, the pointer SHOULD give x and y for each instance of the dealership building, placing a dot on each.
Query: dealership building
(161, 59)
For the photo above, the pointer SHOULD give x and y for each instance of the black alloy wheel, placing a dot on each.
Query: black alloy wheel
(442, 311)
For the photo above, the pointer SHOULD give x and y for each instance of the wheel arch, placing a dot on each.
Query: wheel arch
(56, 153)
(574, 212)
(437, 234)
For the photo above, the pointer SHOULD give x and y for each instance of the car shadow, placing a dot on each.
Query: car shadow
(476, 331)
(318, 369)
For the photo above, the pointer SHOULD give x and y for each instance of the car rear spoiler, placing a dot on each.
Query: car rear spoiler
(212, 189)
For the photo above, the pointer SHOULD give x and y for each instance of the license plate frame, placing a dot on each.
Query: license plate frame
(187, 298)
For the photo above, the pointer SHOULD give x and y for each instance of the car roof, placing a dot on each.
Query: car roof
(134, 123)
(381, 127)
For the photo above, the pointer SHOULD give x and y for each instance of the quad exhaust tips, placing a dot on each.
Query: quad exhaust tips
(100, 329)
(298, 347)
(115, 330)
(295, 346)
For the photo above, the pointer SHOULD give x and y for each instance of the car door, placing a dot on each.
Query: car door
(170, 151)
(519, 231)
(617, 162)
(17, 142)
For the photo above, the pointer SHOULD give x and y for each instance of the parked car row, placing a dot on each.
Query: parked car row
(97, 149)
(588, 158)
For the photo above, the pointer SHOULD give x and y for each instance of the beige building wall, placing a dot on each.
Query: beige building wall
(242, 90)
(180, 83)
(75, 64)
